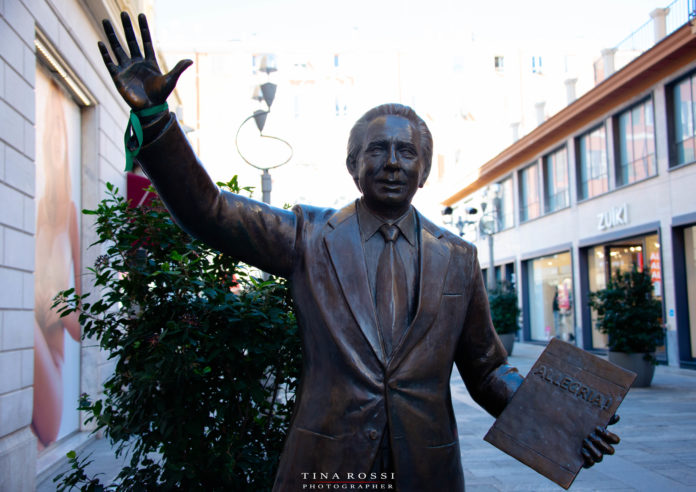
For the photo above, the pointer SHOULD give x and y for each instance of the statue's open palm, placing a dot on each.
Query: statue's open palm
(138, 79)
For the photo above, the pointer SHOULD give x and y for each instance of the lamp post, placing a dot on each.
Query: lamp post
(265, 92)
(489, 224)
(448, 218)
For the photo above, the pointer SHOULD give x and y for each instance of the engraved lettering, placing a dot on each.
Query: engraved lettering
(583, 393)
(607, 404)
(597, 400)
(573, 386)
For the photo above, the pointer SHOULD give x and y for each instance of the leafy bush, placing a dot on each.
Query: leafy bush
(504, 309)
(203, 390)
(628, 313)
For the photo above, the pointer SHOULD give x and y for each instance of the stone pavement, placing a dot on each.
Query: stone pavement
(658, 440)
(657, 451)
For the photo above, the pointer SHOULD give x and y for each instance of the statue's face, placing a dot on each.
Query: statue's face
(390, 169)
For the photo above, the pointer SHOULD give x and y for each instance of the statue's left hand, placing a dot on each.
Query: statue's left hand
(599, 443)
(138, 79)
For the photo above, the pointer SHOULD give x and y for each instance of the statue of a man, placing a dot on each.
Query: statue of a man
(387, 302)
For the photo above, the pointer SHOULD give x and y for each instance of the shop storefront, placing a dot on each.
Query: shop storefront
(549, 302)
(600, 261)
(684, 249)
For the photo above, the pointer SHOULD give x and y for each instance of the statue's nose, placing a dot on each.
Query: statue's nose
(393, 159)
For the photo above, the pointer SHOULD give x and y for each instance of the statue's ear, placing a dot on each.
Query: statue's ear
(424, 176)
(352, 166)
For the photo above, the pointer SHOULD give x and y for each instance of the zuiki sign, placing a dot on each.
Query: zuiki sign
(617, 216)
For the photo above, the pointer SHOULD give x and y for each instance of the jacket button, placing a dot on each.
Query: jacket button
(373, 434)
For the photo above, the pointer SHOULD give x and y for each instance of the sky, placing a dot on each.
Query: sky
(438, 27)
(395, 22)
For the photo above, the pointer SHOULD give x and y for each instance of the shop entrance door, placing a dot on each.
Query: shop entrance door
(622, 257)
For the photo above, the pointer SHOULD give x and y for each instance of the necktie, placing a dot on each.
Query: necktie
(391, 290)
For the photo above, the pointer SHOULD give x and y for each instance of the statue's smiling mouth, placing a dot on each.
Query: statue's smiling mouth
(391, 183)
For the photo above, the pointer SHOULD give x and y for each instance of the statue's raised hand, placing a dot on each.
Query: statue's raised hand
(139, 80)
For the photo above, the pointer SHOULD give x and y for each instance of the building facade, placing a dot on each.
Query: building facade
(61, 128)
(605, 183)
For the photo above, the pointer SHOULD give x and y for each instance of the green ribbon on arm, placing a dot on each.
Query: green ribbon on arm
(135, 130)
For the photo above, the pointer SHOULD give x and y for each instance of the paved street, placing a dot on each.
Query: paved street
(657, 452)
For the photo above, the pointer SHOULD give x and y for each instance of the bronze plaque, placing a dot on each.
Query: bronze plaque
(567, 393)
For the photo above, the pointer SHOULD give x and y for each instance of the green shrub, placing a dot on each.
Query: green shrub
(628, 313)
(504, 309)
(203, 390)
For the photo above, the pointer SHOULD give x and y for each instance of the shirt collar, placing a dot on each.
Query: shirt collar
(370, 223)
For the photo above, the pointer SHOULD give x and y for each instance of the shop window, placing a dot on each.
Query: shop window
(606, 259)
(506, 206)
(536, 64)
(684, 114)
(636, 138)
(556, 193)
(596, 269)
(593, 177)
(57, 257)
(550, 306)
(530, 207)
(690, 257)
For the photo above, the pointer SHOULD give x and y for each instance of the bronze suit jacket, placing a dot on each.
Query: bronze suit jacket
(350, 392)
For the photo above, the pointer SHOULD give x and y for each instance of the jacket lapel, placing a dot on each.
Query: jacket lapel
(433, 268)
(348, 259)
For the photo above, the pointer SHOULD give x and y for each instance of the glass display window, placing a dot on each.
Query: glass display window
(690, 257)
(606, 259)
(551, 302)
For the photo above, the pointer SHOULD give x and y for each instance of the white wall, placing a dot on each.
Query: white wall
(73, 31)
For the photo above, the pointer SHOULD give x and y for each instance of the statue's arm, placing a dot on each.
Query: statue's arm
(250, 231)
(480, 357)
(492, 382)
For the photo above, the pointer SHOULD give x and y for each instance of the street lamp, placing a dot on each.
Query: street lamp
(489, 224)
(265, 92)
(448, 218)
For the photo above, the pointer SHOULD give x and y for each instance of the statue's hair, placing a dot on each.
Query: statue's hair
(357, 133)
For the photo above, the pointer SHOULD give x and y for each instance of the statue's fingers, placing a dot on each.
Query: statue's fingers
(130, 36)
(595, 453)
(601, 444)
(121, 55)
(614, 419)
(174, 74)
(608, 436)
(147, 40)
(110, 66)
(587, 459)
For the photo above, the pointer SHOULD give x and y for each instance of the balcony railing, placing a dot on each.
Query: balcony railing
(646, 36)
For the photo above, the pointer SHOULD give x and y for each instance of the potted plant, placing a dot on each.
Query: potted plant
(632, 318)
(504, 313)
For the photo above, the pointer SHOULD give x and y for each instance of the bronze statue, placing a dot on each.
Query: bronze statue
(386, 300)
